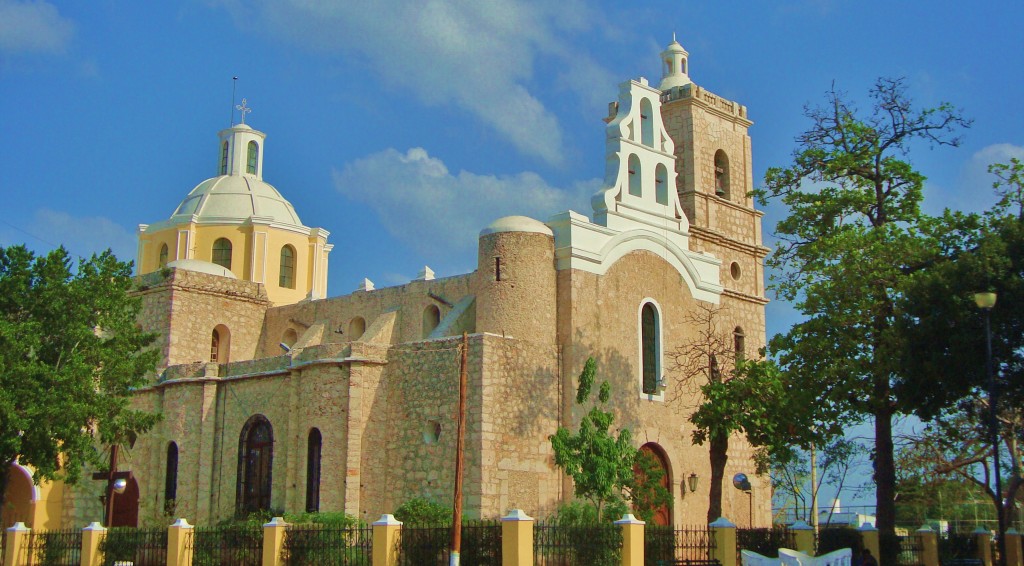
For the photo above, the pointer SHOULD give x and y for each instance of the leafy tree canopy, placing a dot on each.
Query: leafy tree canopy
(71, 353)
(851, 238)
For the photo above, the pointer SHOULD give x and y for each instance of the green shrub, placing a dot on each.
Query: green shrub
(421, 511)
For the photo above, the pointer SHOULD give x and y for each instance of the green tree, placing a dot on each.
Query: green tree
(745, 396)
(945, 336)
(71, 353)
(599, 461)
(845, 249)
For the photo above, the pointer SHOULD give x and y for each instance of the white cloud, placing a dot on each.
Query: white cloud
(973, 190)
(82, 236)
(438, 213)
(34, 26)
(477, 55)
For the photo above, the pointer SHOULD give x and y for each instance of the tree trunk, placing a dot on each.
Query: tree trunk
(885, 474)
(718, 450)
(5, 476)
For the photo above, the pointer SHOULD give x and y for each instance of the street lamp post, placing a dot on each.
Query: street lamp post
(985, 302)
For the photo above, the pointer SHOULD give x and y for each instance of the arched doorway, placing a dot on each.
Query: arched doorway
(126, 506)
(255, 463)
(656, 463)
(18, 497)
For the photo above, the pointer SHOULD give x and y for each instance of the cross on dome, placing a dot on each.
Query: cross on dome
(243, 109)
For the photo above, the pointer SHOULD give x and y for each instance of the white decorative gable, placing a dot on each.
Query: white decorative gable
(640, 172)
(638, 209)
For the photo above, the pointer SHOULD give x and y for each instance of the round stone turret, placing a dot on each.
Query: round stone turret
(515, 280)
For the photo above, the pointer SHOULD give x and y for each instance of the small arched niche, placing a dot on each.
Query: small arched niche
(356, 328)
(431, 318)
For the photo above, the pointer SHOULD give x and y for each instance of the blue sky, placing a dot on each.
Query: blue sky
(404, 127)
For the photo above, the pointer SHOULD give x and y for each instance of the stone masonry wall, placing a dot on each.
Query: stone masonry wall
(603, 321)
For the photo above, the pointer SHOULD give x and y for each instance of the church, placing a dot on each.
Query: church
(275, 397)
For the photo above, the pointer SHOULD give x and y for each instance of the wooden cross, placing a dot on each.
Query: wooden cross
(110, 477)
(243, 109)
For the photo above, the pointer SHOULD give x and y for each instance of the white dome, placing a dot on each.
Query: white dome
(517, 224)
(234, 198)
(201, 266)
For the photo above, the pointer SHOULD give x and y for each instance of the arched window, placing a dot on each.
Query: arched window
(431, 318)
(661, 184)
(356, 328)
(220, 344)
(739, 344)
(646, 123)
(163, 255)
(222, 252)
(313, 447)
(255, 464)
(171, 476)
(224, 159)
(721, 174)
(287, 278)
(253, 158)
(650, 348)
(634, 176)
(215, 346)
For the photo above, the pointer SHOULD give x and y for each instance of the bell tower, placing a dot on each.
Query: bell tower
(714, 178)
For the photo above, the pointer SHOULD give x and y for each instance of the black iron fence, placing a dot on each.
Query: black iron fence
(430, 545)
(227, 545)
(689, 546)
(911, 551)
(328, 544)
(141, 547)
(958, 546)
(764, 541)
(56, 548)
(590, 545)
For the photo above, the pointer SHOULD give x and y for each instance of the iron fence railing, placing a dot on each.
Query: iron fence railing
(431, 545)
(590, 545)
(328, 544)
(764, 541)
(141, 547)
(228, 545)
(55, 548)
(689, 546)
(910, 553)
(958, 546)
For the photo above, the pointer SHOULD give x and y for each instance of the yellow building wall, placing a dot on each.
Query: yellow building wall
(255, 254)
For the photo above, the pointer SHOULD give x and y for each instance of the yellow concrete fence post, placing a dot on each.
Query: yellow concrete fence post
(16, 547)
(723, 532)
(984, 539)
(632, 540)
(92, 537)
(178, 551)
(869, 539)
(273, 541)
(517, 539)
(929, 545)
(802, 537)
(385, 540)
(1014, 556)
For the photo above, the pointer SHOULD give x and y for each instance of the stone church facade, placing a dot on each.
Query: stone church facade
(275, 397)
